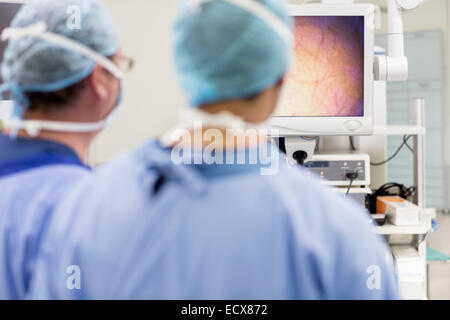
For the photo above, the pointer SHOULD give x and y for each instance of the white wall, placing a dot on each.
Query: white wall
(430, 16)
(151, 92)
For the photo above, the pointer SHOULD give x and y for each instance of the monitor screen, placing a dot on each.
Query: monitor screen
(327, 76)
(7, 13)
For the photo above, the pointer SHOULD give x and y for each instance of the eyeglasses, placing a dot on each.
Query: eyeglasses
(125, 63)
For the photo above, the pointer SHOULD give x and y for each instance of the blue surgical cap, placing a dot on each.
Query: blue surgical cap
(35, 65)
(224, 52)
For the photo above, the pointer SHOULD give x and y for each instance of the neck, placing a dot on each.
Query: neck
(220, 139)
(236, 107)
(252, 110)
(78, 142)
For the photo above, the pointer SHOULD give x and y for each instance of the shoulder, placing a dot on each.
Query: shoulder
(57, 173)
(338, 234)
(130, 164)
(40, 188)
(323, 213)
(113, 187)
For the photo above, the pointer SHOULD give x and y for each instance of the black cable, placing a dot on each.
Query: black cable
(349, 187)
(352, 176)
(410, 192)
(352, 143)
(387, 190)
(404, 143)
(407, 144)
(282, 145)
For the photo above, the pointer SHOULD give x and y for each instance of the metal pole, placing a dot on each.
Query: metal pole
(419, 179)
(419, 153)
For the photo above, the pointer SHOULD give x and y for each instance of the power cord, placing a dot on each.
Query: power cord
(352, 176)
(404, 143)
(352, 143)
(353, 147)
(407, 144)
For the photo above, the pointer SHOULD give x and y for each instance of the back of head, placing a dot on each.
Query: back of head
(231, 49)
(34, 65)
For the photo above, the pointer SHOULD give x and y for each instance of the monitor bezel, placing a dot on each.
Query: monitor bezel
(322, 126)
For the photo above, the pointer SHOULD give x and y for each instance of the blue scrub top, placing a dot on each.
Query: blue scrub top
(34, 174)
(145, 228)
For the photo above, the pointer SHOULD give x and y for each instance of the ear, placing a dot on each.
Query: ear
(98, 81)
(281, 82)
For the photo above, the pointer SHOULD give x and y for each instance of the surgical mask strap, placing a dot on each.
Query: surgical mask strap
(260, 11)
(20, 104)
(34, 127)
(38, 30)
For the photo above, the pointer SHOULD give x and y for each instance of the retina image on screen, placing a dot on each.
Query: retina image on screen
(327, 75)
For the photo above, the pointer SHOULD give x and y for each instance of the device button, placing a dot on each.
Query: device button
(353, 125)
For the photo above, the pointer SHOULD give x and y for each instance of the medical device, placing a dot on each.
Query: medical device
(400, 211)
(394, 66)
(8, 9)
(349, 172)
(329, 90)
(336, 169)
(411, 272)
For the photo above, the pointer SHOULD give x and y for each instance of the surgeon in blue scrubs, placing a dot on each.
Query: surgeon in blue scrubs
(175, 219)
(62, 96)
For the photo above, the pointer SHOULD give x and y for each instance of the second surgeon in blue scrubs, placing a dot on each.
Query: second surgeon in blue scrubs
(175, 220)
(65, 82)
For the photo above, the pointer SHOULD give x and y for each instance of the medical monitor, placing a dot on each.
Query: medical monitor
(329, 88)
(8, 9)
